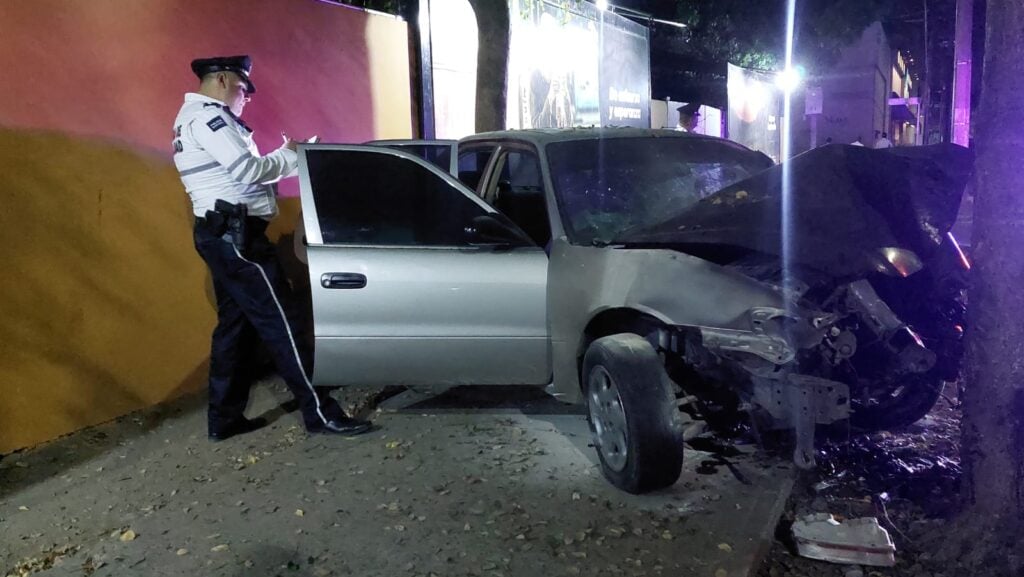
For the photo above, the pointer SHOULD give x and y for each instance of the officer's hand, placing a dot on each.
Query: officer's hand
(293, 144)
(289, 143)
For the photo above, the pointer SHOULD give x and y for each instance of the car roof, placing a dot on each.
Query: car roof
(543, 136)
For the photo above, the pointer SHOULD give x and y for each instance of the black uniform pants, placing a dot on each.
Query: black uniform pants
(253, 297)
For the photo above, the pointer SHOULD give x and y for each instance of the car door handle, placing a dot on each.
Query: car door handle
(342, 280)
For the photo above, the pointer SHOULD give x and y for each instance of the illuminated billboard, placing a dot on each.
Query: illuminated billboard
(576, 66)
(755, 108)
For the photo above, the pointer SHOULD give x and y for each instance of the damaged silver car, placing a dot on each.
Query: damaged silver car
(644, 273)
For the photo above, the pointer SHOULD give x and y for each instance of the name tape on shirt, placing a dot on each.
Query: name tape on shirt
(217, 123)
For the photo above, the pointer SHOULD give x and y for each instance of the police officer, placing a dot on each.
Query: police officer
(688, 116)
(233, 193)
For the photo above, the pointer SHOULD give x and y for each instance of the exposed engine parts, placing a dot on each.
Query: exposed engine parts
(798, 368)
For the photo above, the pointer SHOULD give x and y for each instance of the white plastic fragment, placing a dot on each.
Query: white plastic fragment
(854, 541)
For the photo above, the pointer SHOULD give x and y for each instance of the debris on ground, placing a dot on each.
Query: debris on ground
(853, 541)
(909, 480)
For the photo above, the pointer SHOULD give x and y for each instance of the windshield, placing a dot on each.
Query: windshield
(606, 187)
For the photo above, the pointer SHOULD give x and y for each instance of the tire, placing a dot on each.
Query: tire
(632, 413)
(904, 406)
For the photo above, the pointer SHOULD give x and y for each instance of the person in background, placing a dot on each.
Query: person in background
(883, 141)
(233, 192)
(689, 114)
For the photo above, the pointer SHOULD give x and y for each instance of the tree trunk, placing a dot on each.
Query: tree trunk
(993, 401)
(492, 21)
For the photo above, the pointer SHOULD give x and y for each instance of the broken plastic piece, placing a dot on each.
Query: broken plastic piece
(854, 541)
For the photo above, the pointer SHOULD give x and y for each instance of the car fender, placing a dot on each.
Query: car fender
(663, 285)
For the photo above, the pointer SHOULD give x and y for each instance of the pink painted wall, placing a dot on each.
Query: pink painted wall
(106, 307)
(118, 69)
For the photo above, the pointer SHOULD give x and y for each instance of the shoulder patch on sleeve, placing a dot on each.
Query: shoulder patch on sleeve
(217, 123)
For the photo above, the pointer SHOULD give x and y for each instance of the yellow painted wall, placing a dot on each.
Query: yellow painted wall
(106, 307)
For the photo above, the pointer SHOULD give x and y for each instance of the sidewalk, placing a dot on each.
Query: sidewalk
(488, 482)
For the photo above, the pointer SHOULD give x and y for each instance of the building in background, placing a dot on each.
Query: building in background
(854, 95)
(906, 112)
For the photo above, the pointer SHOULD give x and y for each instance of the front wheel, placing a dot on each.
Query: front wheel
(632, 414)
(894, 406)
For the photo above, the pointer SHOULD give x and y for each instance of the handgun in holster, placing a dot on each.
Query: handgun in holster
(227, 221)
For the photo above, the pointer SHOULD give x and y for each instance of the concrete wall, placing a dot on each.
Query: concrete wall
(854, 94)
(106, 307)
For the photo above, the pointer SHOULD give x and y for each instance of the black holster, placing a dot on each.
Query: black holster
(227, 221)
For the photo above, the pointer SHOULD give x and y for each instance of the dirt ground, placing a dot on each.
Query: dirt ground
(483, 482)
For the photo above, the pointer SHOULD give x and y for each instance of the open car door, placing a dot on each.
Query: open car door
(442, 153)
(415, 280)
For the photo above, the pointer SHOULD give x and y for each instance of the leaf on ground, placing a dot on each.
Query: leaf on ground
(181, 552)
(219, 548)
(725, 547)
(299, 513)
(128, 535)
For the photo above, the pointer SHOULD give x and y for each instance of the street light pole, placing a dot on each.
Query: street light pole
(962, 73)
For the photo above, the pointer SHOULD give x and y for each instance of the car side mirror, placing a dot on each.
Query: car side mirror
(496, 229)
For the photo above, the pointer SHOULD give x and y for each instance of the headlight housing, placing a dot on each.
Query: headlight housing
(898, 262)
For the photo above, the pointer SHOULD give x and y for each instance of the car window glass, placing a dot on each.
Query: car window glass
(472, 163)
(519, 195)
(374, 198)
(439, 155)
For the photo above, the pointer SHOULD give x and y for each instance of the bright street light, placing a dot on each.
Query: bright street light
(788, 79)
(602, 5)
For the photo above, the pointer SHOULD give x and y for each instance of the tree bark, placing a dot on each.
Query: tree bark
(493, 30)
(993, 400)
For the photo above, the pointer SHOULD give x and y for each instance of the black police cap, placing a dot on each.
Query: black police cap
(691, 109)
(240, 65)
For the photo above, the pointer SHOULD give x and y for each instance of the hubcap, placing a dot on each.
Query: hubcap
(608, 418)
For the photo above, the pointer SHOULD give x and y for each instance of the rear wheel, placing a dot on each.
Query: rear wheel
(632, 414)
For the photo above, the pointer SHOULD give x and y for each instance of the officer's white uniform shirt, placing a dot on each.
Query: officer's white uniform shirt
(217, 159)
